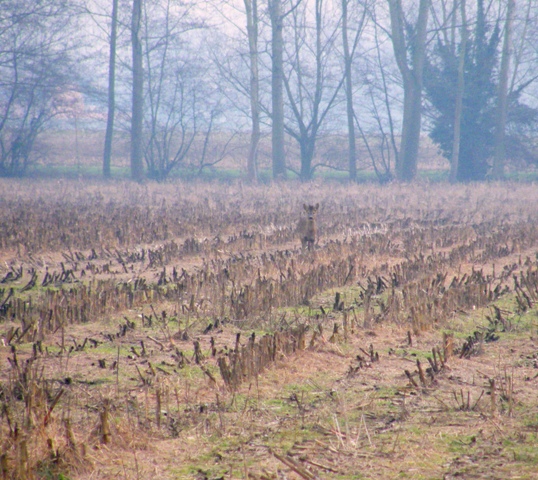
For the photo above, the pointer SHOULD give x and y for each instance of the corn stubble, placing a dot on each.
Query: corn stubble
(133, 312)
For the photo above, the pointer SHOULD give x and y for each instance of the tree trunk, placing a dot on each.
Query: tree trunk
(251, 7)
(277, 92)
(111, 92)
(137, 168)
(352, 149)
(458, 109)
(406, 168)
(308, 146)
(502, 96)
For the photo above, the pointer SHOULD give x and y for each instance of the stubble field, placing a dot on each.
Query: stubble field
(179, 331)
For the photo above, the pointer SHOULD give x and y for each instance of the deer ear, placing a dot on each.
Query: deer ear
(305, 207)
(317, 206)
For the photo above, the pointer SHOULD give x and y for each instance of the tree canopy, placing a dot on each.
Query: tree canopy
(479, 101)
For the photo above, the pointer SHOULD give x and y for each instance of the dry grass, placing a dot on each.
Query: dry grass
(180, 331)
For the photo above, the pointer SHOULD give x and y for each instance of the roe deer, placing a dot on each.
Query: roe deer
(307, 226)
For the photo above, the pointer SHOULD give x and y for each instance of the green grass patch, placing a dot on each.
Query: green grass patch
(522, 448)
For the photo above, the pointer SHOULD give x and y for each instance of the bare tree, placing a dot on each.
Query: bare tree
(524, 55)
(460, 89)
(411, 70)
(137, 111)
(312, 81)
(502, 95)
(36, 75)
(352, 149)
(240, 69)
(277, 89)
(178, 102)
(251, 9)
(379, 84)
(348, 60)
(111, 104)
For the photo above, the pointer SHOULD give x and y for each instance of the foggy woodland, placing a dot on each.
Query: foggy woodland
(287, 87)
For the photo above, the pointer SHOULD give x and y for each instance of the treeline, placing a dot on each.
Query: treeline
(179, 76)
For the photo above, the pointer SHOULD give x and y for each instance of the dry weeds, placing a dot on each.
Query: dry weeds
(180, 331)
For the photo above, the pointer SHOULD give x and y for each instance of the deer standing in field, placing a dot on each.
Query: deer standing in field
(307, 226)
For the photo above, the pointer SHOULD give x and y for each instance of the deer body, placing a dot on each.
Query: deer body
(308, 227)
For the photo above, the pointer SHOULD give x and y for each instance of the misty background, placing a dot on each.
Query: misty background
(278, 88)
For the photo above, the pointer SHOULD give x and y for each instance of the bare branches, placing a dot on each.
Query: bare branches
(35, 69)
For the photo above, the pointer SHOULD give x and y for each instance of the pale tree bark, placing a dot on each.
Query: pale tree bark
(277, 90)
(111, 92)
(137, 168)
(502, 96)
(348, 77)
(412, 72)
(352, 149)
(458, 109)
(251, 8)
